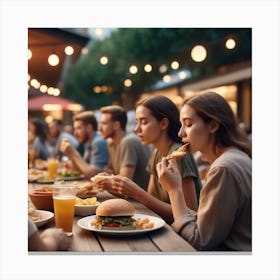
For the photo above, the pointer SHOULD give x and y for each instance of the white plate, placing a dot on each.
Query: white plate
(158, 223)
(46, 216)
(49, 181)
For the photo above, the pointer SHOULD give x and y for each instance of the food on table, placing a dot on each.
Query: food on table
(86, 201)
(41, 199)
(33, 215)
(180, 152)
(115, 214)
(144, 223)
(86, 190)
(40, 164)
(101, 177)
(65, 173)
(35, 174)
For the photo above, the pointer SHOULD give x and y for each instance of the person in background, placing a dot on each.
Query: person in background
(127, 156)
(69, 129)
(51, 239)
(223, 220)
(158, 124)
(57, 133)
(40, 145)
(96, 156)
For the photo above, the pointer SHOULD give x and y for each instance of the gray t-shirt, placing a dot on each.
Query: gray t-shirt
(130, 152)
(186, 166)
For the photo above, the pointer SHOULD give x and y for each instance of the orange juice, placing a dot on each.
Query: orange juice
(64, 212)
(52, 166)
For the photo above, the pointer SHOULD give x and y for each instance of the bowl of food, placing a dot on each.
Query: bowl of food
(41, 198)
(85, 207)
(40, 217)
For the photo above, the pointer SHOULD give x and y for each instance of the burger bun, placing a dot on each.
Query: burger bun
(115, 207)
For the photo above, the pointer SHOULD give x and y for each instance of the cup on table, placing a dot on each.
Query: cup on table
(31, 157)
(64, 205)
(52, 166)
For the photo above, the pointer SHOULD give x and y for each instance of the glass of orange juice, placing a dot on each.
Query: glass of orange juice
(52, 166)
(64, 200)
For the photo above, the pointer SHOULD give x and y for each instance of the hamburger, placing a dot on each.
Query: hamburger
(115, 214)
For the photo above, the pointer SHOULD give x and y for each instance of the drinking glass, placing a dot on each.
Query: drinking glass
(64, 200)
(52, 166)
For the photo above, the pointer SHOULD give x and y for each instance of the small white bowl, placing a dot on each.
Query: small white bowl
(85, 210)
(45, 217)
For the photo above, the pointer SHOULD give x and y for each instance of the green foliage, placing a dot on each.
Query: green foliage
(157, 46)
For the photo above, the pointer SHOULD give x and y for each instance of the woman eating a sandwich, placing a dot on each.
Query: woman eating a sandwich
(223, 218)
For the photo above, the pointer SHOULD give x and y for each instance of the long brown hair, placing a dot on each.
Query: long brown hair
(162, 107)
(212, 106)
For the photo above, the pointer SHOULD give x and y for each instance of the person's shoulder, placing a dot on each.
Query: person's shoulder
(98, 139)
(67, 135)
(130, 137)
(232, 158)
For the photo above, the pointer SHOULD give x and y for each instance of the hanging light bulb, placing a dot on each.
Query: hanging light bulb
(175, 65)
(230, 44)
(128, 83)
(148, 68)
(53, 59)
(69, 50)
(198, 53)
(29, 54)
(133, 69)
(104, 60)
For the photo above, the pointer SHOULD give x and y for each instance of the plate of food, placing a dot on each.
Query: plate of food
(61, 176)
(40, 217)
(117, 216)
(34, 175)
(86, 189)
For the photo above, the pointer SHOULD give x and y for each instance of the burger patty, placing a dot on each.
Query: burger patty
(115, 222)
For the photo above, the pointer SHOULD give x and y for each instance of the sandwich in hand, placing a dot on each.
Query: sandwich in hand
(102, 176)
(180, 152)
(115, 214)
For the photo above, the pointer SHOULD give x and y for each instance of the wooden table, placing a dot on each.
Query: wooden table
(161, 240)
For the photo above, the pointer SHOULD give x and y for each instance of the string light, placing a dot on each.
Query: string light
(175, 65)
(69, 50)
(53, 59)
(104, 60)
(128, 83)
(198, 53)
(163, 68)
(133, 69)
(230, 44)
(43, 88)
(29, 54)
(148, 68)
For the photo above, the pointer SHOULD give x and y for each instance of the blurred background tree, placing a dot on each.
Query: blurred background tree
(94, 84)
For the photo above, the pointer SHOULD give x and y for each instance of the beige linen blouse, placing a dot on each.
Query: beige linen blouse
(224, 219)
